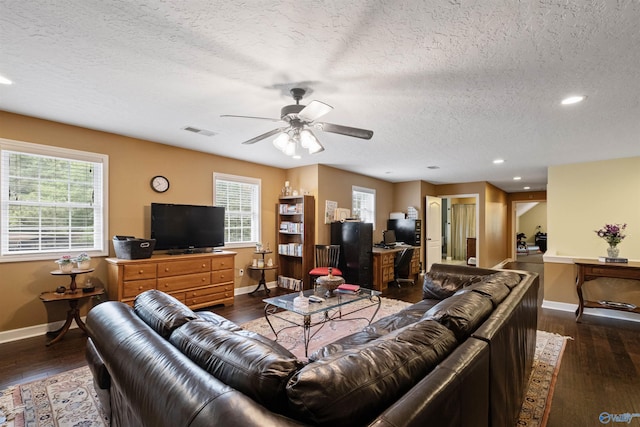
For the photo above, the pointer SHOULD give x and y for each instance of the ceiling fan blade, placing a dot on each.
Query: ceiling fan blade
(313, 111)
(344, 130)
(251, 117)
(265, 135)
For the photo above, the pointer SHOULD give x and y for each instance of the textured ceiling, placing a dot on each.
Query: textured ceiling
(452, 84)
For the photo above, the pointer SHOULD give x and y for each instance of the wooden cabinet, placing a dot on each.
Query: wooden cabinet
(296, 243)
(415, 261)
(198, 280)
(471, 251)
(383, 262)
(383, 266)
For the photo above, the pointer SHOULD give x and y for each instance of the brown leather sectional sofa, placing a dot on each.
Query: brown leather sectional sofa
(460, 357)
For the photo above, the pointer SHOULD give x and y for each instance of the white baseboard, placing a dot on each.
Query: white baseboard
(38, 330)
(599, 312)
(33, 331)
(249, 289)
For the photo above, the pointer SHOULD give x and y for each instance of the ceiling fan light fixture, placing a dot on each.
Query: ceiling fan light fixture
(281, 141)
(290, 149)
(309, 141)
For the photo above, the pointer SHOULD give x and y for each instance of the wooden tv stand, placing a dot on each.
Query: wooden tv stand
(198, 280)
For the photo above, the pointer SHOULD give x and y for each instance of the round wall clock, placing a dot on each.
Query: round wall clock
(159, 183)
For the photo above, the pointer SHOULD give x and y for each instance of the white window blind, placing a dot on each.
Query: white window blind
(241, 198)
(363, 204)
(52, 201)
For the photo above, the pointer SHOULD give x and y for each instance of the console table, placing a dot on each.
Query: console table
(591, 269)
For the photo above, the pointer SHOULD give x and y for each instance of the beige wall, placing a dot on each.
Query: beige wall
(335, 185)
(132, 163)
(582, 198)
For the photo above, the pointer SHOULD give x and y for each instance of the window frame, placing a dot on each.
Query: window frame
(256, 211)
(101, 247)
(372, 193)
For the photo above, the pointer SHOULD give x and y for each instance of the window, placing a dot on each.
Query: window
(240, 197)
(363, 204)
(52, 201)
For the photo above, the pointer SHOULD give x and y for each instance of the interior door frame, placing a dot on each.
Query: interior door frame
(476, 196)
(513, 231)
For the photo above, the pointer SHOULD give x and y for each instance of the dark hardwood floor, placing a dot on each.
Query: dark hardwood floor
(600, 370)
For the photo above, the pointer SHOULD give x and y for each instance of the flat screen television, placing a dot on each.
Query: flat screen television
(187, 228)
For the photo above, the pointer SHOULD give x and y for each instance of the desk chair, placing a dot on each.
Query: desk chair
(402, 267)
(326, 256)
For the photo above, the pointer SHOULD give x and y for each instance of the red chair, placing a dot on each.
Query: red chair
(326, 256)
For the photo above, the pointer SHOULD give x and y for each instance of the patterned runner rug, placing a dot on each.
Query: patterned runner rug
(69, 399)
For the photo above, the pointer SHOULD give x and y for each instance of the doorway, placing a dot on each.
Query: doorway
(460, 222)
(529, 230)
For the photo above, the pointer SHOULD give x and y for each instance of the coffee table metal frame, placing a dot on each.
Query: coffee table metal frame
(330, 310)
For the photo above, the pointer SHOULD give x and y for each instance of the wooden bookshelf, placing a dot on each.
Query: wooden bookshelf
(295, 235)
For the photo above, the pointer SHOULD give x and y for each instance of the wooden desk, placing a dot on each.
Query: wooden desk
(591, 269)
(383, 265)
(73, 298)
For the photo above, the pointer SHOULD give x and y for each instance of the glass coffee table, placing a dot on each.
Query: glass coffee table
(331, 309)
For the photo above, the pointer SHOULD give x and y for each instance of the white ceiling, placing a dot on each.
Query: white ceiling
(453, 84)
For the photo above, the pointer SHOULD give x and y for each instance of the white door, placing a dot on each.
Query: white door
(433, 231)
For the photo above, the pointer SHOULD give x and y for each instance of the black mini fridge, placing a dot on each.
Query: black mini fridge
(356, 257)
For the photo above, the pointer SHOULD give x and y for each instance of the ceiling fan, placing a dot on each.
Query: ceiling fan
(300, 120)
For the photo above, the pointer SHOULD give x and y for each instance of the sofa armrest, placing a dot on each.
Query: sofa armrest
(455, 394)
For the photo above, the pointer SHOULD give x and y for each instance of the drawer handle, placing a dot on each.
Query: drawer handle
(140, 288)
(166, 269)
(140, 271)
(193, 301)
(203, 279)
(222, 276)
(194, 294)
(204, 265)
(166, 285)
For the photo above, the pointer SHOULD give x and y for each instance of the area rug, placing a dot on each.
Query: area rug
(546, 364)
(63, 400)
(324, 333)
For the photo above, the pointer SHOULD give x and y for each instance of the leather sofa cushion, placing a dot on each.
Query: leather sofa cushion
(441, 285)
(353, 386)
(219, 321)
(162, 312)
(381, 327)
(246, 364)
(496, 292)
(461, 313)
(507, 278)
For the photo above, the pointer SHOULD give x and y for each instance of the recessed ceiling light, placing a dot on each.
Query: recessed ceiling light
(297, 156)
(5, 81)
(498, 161)
(527, 188)
(517, 178)
(573, 99)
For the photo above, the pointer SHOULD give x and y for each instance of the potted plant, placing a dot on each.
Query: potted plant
(65, 262)
(83, 261)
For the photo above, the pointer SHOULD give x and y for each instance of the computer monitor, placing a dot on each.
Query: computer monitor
(389, 237)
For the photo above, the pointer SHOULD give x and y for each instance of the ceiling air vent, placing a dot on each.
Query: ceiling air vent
(199, 131)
